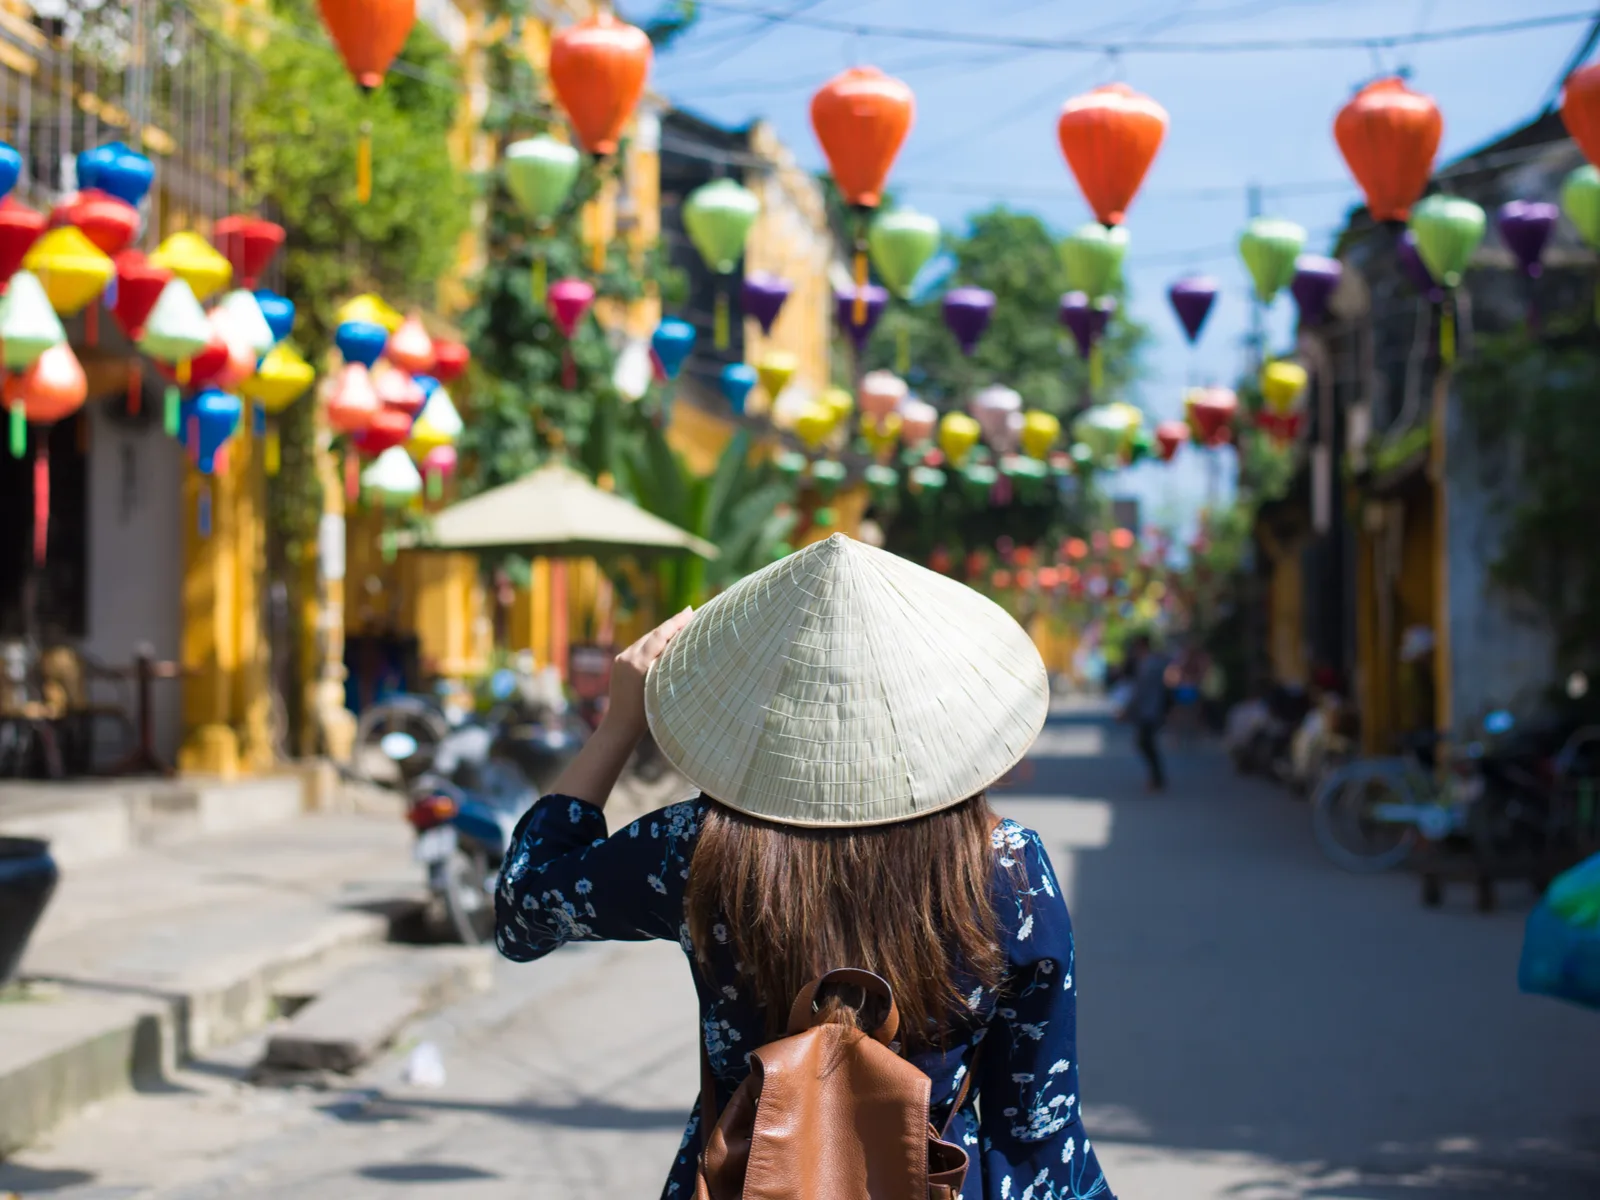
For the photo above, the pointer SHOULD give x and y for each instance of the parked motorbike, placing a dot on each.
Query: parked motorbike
(1260, 733)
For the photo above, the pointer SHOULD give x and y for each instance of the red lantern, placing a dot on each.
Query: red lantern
(205, 368)
(397, 390)
(1000, 580)
(1388, 135)
(1025, 579)
(20, 227)
(1122, 539)
(139, 285)
(1170, 437)
(389, 427)
(52, 389)
(1211, 412)
(410, 348)
(1110, 137)
(352, 402)
(368, 34)
(1580, 109)
(598, 69)
(450, 360)
(241, 356)
(1048, 577)
(861, 118)
(111, 224)
(248, 243)
(1077, 548)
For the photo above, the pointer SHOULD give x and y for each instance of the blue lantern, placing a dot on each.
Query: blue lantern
(212, 416)
(428, 384)
(116, 170)
(10, 169)
(361, 341)
(736, 382)
(672, 343)
(90, 161)
(279, 312)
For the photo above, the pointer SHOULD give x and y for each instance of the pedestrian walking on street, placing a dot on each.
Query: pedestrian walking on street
(840, 877)
(1148, 704)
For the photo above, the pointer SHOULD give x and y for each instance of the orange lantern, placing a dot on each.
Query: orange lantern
(1077, 548)
(51, 390)
(1388, 135)
(597, 68)
(861, 118)
(1122, 539)
(1580, 109)
(368, 34)
(1110, 136)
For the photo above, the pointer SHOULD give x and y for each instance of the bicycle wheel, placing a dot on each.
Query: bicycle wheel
(403, 714)
(1344, 823)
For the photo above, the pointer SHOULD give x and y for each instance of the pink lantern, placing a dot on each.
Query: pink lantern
(410, 348)
(395, 389)
(241, 361)
(438, 465)
(880, 394)
(352, 400)
(569, 301)
(993, 407)
(918, 420)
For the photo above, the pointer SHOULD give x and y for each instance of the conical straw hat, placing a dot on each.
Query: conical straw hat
(846, 686)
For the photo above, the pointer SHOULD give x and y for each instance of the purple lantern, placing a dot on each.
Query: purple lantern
(1525, 226)
(1086, 320)
(1415, 269)
(1315, 279)
(762, 297)
(1192, 298)
(844, 303)
(966, 314)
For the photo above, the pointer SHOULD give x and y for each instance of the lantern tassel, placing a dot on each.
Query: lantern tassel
(135, 387)
(1447, 335)
(183, 373)
(1097, 369)
(194, 441)
(170, 403)
(435, 485)
(364, 163)
(719, 322)
(902, 348)
(203, 508)
(19, 430)
(271, 450)
(258, 420)
(540, 279)
(569, 368)
(386, 544)
(352, 478)
(41, 502)
(858, 310)
(91, 324)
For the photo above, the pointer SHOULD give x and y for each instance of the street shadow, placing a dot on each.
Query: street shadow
(1237, 993)
(375, 1107)
(425, 1172)
(27, 1181)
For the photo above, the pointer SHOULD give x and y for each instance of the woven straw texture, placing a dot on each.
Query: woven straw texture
(846, 686)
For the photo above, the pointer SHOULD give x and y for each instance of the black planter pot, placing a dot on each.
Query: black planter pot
(27, 878)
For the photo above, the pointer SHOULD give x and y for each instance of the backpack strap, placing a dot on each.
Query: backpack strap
(962, 1092)
(708, 1097)
(805, 1004)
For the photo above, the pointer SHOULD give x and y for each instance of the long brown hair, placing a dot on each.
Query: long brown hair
(911, 902)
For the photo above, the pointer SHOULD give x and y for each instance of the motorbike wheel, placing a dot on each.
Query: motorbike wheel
(401, 714)
(469, 896)
(1343, 824)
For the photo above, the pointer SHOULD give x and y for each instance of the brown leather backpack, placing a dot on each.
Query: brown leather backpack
(829, 1111)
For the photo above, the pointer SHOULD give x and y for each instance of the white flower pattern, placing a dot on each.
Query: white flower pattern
(566, 881)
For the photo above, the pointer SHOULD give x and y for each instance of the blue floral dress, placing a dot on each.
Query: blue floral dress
(566, 881)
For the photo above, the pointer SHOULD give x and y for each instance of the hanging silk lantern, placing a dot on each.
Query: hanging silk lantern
(1525, 227)
(249, 244)
(174, 332)
(210, 419)
(372, 309)
(1389, 135)
(281, 379)
(902, 241)
(993, 407)
(918, 421)
(392, 478)
(1087, 321)
(139, 286)
(368, 35)
(736, 382)
(569, 302)
(978, 479)
(386, 429)
(1415, 270)
(410, 348)
(1580, 109)
(1191, 298)
(191, 258)
(1448, 231)
(1039, 432)
(1170, 438)
(240, 357)
(1580, 200)
(881, 480)
(20, 228)
(861, 117)
(775, 370)
(243, 312)
(28, 325)
(540, 174)
(360, 342)
(966, 315)
(438, 465)
(50, 390)
(598, 68)
(438, 424)
(1315, 279)
(1211, 411)
(671, 344)
(1282, 428)
(1026, 473)
(881, 393)
(277, 311)
(958, 434)
(857, 319)
(1110, 136)
(10, 168)
(839, 402)
(1106, 430)
(814, 424)
(117, 170)
(1269, 247)
(1283, 382)
(399, 391)
(109, 224)
(882, 433)
(352, 401)
(72, 269)
(761, 296)
(927, 479)
(718, 217)
(450, 360)
(205, 368)
(1092, 255)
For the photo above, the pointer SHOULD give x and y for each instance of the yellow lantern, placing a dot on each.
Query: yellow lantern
(882, 434)
(1282, 383)
(815, 424)
(775, 370)
(958, 434)
(374, 310)
(281, 379)
(1039, 432)
(192, 259)
(840, 401)
(72, 269)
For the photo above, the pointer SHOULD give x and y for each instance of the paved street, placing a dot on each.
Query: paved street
(1254, 1024)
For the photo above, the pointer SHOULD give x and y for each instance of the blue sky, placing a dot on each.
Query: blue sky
(985, 126)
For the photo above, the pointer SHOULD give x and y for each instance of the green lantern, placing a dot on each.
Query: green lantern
(827, 476)
(540, 172)
(790, 464)
(927, 479)
(1092, 255)
(1082, 456)
(1269, 247)
(718, 217)
(1105, 431)
(978, 479)
(1141, 446)
(1580, 200)
(881, 479)
(1448, 230)
(902, 242)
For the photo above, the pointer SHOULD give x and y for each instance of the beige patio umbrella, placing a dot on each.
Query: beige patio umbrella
(554, 512)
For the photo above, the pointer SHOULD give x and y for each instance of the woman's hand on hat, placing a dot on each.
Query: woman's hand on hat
(626, 709)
